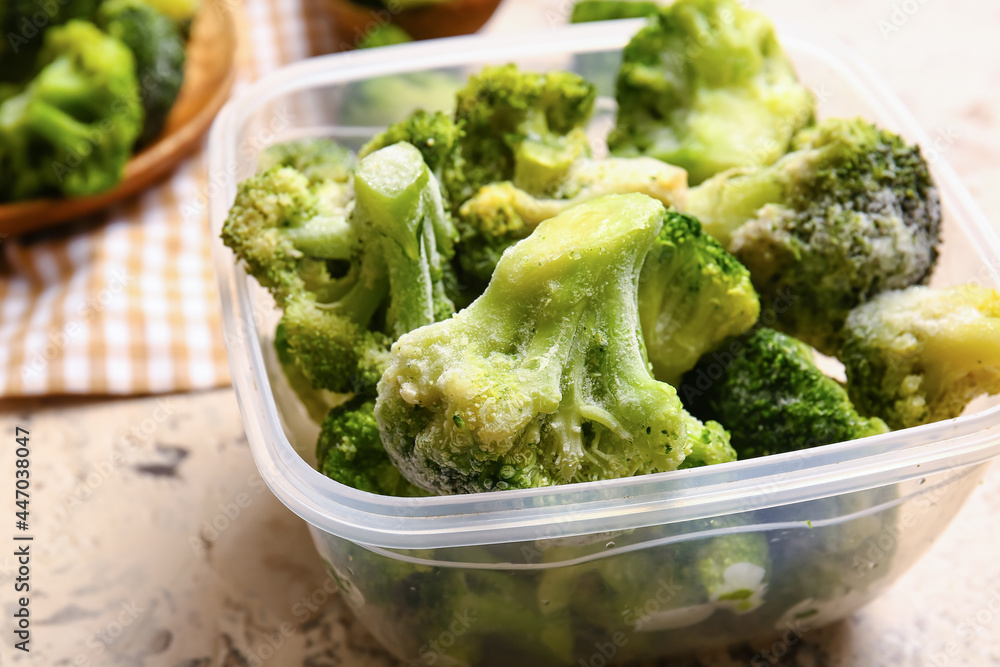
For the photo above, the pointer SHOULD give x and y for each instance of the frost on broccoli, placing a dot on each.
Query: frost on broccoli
(766, 388)
(851, 213)
(351, 274)
(692, 296)
(706, 86)
(501, 214)
(543, 380)
(921, 355)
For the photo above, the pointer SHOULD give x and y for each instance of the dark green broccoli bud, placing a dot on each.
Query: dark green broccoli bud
(920, 355)
(158, 47)
(350, 280)
(319, 160)
(767, 390)
(350, 451)
(385, 35)
(71, 130)
(692, 296)
(543, 379)
(586, 11)
(501, 214)
(706, 86)
(520, 126)
(23, 37)
(850, 214)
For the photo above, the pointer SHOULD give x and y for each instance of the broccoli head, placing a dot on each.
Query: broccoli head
(158, 47)
(319, 160)
(920, 355)
(706, 86)
(351, 275)
(72, 128)
(501, 214)
(586, 11)
(520, 126)
(389, 34)
(766, 388)
(350, 451)
(543, 379)
(851, 213)
(692, 296)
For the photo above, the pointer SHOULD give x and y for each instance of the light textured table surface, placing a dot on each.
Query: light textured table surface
(124, 573)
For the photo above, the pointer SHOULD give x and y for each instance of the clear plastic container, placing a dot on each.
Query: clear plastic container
(631, 568)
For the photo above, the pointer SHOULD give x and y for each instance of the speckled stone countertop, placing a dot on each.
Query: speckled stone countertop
(123, 573)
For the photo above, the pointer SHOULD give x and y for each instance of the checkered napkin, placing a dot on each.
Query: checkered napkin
(128, 305)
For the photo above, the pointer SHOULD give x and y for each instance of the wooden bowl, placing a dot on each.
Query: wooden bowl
(208, 77)
(351, 22)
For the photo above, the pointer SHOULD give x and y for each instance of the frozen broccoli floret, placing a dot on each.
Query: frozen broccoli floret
(586, 11)
(543, 379)
(767, 390)
(706, 86)
(851, 213)
(692, 296)
(319, 160)
(71, 130)
(501, 214)
(158, 46)
(351, 276)
(521, 126)
(350, 451)
(921, 355)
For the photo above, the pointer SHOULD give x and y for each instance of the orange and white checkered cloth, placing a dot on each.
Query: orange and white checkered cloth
(128, 305)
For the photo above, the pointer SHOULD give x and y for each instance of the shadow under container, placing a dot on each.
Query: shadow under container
(592, 573)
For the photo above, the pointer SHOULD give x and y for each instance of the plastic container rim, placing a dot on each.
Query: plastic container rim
(606, 506)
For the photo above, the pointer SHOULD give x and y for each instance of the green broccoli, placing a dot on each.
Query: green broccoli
(692, 296)
(851, 213)
(501, 214)
(706, 86)
(158, 47)
(377, 102)
(921, 355)
(521, 126)
(350, 451)
(766, 388)
(543, 380)
(23, 24)
(349, 281)
(586, 11)
(385, 35)
(320, 160)
(72, 129)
